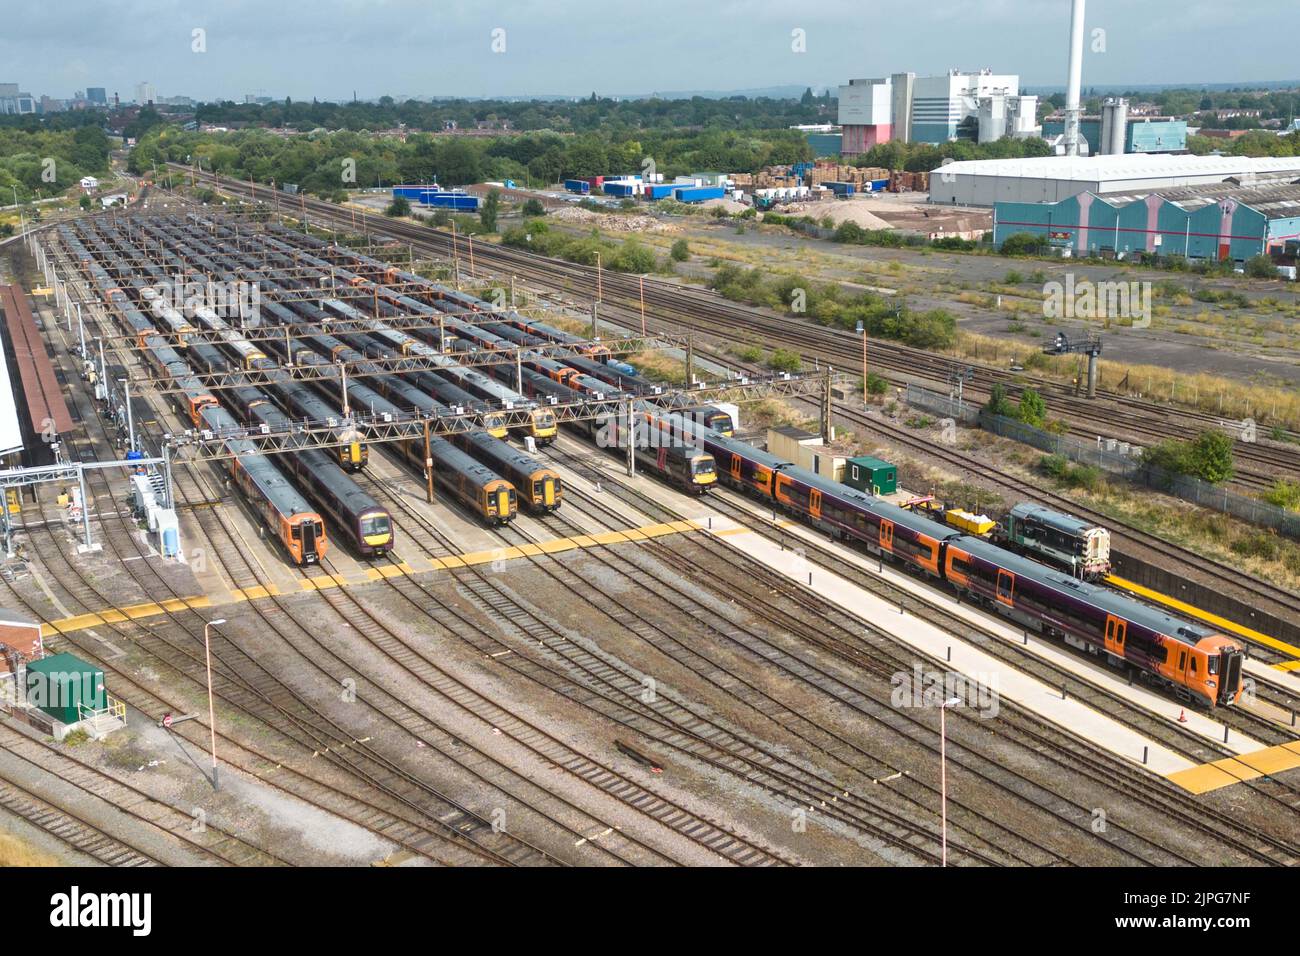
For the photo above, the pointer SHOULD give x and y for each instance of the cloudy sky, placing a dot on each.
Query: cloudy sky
(328, 48)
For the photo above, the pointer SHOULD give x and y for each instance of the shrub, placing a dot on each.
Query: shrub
(400, 206)
(1261, 267)
(876, 384)
(784, 360)
(1208, 456)
(1032, 409)
(997, 403)
(532, 208)
(1022, 244)
(1013, 278)
(680, 251)
(1284, 494)
(750, 353)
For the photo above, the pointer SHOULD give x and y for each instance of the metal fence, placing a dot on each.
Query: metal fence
(1123, 460)
(945, 406)
(1130, 465)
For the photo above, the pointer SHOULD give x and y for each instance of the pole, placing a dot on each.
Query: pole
(690, 358)
(428, 465)
(631, 440)
(641, 283)
(595, 308)
(470, 239)
(455, 253)
(864, 363)
(600, 296)
(519, 371)
(167, 474)
(85, 506)
(343, 378)
(81, 330)
(512, 292)
(130, 417)
(103, 369)
(943, 781)
(212, 721)
(826, 406)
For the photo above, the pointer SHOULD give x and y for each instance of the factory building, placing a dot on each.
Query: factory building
(980, 106)
(1114, 131)
(1233, 220)
(1053, 178)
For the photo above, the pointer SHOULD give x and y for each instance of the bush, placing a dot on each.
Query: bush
(1284, 494)
(1013, 278)
(784, 360)
(750, 353)
(400, 206)
(997, 403)
(532, 207)
(680, 251)
(1261, 267)
(1208, 456)
(1032, 409)
(1022, 244)
(1257, 545)
(876, 384)
(487, 216)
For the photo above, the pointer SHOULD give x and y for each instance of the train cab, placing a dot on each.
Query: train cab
(375, 531)
(543, 427)
(498, 501)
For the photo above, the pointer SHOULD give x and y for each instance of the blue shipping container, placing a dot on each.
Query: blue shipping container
(699, 193)
(410, 192)
(879, 185)
(660, 190)
(841, 189)
(577, 186)
(445, 199)
(618, 189)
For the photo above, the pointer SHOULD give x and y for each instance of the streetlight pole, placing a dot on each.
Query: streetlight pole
(943, 773)
(862, 330)
(212, 723)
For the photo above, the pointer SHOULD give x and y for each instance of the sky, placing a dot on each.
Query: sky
(330, 48)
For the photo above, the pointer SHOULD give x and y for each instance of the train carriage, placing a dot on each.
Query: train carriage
(1198, 661)
(539, 486)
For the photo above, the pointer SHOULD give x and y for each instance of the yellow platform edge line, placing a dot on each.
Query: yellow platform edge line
(1207, 617)
(1230, 770)
(319, 582)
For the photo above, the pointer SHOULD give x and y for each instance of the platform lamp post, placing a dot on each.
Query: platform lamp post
(943, 774)
(212, 723)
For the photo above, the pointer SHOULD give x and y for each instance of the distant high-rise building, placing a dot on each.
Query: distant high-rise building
(145, 93)
(13, 101)
(97, 95)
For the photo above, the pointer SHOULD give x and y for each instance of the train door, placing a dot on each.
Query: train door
(735, 467)
(1115, 632)
(815, 503)
(503, 504)
(1007, 588)
(887, 535)
(308, 541)
(548, 492)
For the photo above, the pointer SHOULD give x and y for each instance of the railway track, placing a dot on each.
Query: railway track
(1152, 793)
(676, 307)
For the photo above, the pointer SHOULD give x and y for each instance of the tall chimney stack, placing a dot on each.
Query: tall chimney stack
(1072, 90)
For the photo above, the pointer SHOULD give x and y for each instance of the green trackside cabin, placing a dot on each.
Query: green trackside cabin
(66, 687)
(871, 475)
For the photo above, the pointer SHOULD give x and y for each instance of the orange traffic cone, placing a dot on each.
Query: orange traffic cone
(1182, 716)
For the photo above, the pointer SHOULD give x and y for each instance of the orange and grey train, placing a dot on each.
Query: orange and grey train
(1201, 664)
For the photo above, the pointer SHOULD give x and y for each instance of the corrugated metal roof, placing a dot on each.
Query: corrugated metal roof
(11, 436)
(45, 402)
(1088, 169)
(1276, 199)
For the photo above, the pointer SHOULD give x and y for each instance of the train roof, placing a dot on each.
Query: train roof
(1028, 510)
(504, 453)
(1096, 594)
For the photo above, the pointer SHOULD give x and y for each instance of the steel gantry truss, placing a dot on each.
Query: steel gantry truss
(198, 445)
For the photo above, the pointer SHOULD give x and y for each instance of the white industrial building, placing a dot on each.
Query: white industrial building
(1053, 178)
(932, 109)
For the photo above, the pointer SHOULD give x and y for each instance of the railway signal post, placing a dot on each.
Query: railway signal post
(212, 723)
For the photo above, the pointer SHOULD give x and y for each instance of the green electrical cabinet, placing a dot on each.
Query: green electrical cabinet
(65, 687)
(871, 475)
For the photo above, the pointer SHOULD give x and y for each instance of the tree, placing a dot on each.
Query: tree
(998, 404)
(488, 214)
(1022, 244)
(84, 202)
(533, 208)
(1211, 456)
(680, 251)
(1032, 409)
(400, 206)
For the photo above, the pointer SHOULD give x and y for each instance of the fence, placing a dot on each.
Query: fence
(945, 406)
(1122, 461)
(1132, 467)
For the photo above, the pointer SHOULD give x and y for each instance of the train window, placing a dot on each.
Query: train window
(296, 532)
(960, 566)
(1193, 663)
(1006, 583)
(1213, 664)
(1182, 660)
(375, 524)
